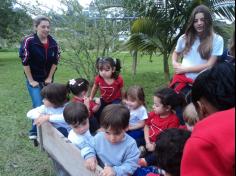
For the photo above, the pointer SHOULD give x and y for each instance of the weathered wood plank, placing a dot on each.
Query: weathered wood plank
(63, 151)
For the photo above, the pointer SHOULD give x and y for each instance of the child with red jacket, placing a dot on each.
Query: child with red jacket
(211, 148)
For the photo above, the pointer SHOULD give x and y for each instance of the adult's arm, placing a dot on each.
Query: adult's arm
(51, 73)
(179, 69)
(28, 74)
(175, 59)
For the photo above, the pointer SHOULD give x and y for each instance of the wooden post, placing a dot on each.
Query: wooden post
(66, 156)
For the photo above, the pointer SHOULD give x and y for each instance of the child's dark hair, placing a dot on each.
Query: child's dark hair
(76, 86)
(102, 61)
(115, 117)
(217, 86)
(75, 113)
(169, 149)
(136, 93)
(170, 98)
(56, 93)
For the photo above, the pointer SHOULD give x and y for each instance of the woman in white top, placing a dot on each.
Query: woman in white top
(199, 46)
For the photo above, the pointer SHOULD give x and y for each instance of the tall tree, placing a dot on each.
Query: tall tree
(13, 21)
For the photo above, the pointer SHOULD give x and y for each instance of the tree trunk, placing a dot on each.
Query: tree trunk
(166, 67)
(134, 65)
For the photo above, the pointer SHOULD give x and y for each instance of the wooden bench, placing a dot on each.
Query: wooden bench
(66, 157)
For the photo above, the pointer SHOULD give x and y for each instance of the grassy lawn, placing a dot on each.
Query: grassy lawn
(18, 156)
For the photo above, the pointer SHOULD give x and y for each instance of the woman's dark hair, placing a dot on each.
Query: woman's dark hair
(170, 98)
(136, 93)
(109, 62)
(115, 117)
(169, 149)
(205, 47)
(76, 86)
(75, 113)
(217, 86)
(56, 93)
(39, 19)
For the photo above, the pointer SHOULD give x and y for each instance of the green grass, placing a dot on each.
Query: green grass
(18, 156)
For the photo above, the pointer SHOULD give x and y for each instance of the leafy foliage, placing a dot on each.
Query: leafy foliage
(13, 21)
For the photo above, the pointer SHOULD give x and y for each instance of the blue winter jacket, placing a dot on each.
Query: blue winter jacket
(34, 55)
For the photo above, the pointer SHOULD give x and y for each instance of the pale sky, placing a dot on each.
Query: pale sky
(53, 4)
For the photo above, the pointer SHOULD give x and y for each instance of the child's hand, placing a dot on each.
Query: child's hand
(150, 147)
(41, 119)
(86, 102)
(97, 101)
(91, 164)
(131, 127)
(108, 171)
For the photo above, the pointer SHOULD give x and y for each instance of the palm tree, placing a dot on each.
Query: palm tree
(163, 23)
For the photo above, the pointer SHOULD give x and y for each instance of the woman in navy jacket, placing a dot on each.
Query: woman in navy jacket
(40, 55)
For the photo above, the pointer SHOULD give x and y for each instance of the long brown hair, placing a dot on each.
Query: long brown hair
(205, 47)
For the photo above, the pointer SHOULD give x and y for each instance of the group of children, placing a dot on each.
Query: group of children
(115, 129)
(117, 132)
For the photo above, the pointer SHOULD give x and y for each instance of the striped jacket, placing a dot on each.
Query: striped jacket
(40, 60)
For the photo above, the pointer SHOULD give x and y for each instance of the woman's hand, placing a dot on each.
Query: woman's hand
(34, 83)
(48, 81)
(179, 69)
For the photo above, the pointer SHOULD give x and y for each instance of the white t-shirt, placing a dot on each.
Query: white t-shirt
(137, 115)
(193, 57)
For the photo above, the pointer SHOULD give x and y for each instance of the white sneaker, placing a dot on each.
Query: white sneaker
(32, 137)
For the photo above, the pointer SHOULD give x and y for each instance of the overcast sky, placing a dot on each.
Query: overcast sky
(54, 4)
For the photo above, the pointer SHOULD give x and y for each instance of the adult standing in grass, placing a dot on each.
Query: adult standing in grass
(40, 54)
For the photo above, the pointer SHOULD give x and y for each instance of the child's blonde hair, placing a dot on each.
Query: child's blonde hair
(190, 115)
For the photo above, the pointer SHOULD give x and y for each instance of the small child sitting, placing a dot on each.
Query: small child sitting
(135, 101)
(190, 116)
(79, 88)
(161, 118)
(169, 150)
(55, 96)
(77, 116)
(117, 151)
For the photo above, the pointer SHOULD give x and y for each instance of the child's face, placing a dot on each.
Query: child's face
(159, 108)
(47, 103)
(114, 137)
(131, 103)
(106, 71)
(199, 23)
(81, 128)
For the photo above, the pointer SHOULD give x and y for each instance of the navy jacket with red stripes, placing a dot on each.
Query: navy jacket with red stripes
(33, 54)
